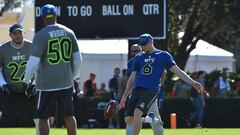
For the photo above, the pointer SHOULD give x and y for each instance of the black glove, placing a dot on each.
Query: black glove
(5, 89)
(29, 90)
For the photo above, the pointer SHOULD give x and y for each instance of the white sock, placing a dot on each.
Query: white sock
(36, 122)
(150, 120)
(129, 129)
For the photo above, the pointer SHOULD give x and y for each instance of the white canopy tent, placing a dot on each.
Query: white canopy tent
(101, 57)
(208, 57)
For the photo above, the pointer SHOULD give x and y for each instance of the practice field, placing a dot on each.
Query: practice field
(203, 131)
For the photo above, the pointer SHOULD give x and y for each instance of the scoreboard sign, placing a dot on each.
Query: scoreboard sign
(91, 19)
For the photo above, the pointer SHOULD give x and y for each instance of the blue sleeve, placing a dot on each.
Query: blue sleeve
(135, 65)
(38, 46)
(129, 66)
(169, 61)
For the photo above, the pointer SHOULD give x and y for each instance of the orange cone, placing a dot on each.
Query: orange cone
(173, 120)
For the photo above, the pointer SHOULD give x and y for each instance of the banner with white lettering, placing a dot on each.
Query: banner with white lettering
(91, 19)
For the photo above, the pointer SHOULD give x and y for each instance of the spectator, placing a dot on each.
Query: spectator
(90, 86)
(198, 100)
(122, 86)
(102, 92)
(114, 84)
(238, 87)
(222, 85)
(181, 89)
(122, 83)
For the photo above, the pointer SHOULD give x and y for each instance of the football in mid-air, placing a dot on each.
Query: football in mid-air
(110, 109)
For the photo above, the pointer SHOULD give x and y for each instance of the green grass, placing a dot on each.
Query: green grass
(204, 131)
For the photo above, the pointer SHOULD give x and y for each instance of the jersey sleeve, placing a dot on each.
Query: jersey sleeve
(37, 46)
(135, 65)
(169, 61)
(129, 66)
(74, 43)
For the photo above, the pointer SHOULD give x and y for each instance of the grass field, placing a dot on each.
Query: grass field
(203, 131)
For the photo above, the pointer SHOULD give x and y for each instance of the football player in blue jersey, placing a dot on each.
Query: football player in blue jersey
(144, 81)
(135, 49)
(157, 126)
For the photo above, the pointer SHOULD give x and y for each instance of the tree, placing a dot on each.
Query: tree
(228, 36)
(200, 19)
(10, 4)
(216, 21)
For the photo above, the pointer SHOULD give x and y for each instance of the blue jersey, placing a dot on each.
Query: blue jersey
(129, 66)
(149, 68)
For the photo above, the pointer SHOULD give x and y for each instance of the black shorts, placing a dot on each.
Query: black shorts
(140, 98)
(48, 100)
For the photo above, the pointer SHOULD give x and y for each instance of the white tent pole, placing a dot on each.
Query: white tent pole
(195, 63)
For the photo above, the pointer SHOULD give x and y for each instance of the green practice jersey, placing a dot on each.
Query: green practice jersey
(13, 61)
(54, 45)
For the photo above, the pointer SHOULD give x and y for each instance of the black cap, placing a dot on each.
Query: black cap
(144, 39)
(16, 27)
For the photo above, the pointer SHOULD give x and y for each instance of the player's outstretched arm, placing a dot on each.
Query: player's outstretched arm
(128, 89)
(182, 75)
(163, 77)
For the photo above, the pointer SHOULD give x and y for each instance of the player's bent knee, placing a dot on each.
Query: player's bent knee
(128, 120)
